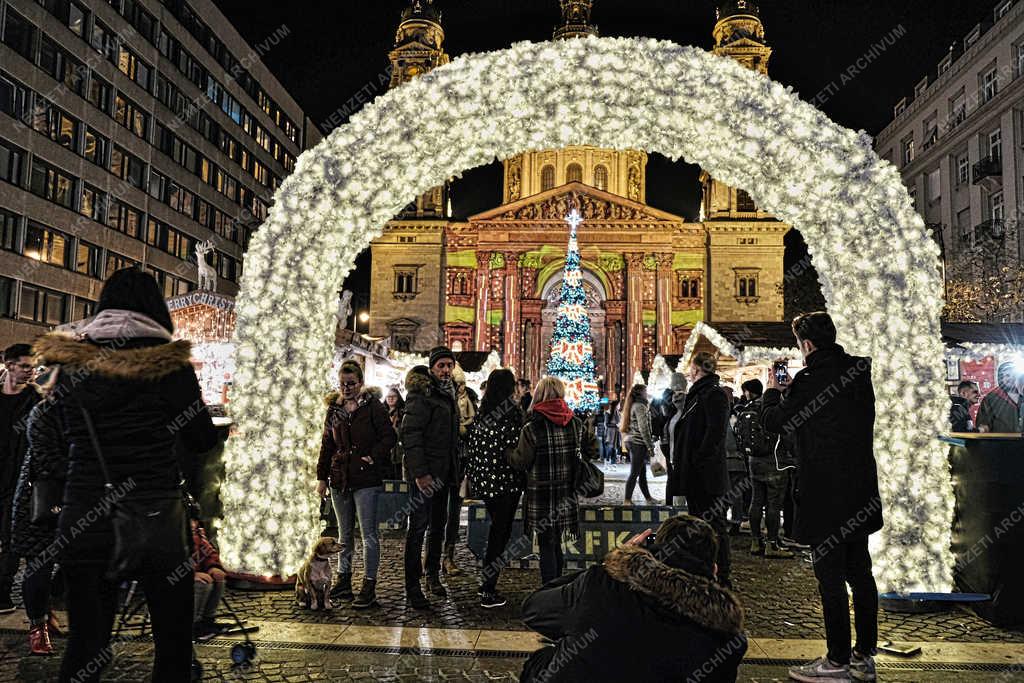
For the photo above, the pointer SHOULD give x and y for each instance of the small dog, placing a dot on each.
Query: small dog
(313, 582)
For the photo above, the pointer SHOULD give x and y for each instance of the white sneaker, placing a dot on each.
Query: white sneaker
(821, 670)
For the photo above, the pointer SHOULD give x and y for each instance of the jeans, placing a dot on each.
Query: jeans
(92, 602)
(426, 511)
(347, 506)
(206, 600)
(711, 509)
(35, 591)
(848, 562)
(552, 561)
(502, 511)
(739, 496)
(601, 448)
(637, 470)
(769, 495)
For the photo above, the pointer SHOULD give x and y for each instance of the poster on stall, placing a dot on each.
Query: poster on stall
(983, 372)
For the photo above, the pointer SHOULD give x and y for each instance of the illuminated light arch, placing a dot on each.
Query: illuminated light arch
(878, 266)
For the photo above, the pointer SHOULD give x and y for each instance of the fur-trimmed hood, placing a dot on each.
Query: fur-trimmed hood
(146, 363)
(686, 595)
(366, 393)
(415, 383)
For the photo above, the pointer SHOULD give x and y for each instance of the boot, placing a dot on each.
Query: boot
(435, 586)
(449, 566)
(39, 640)
(53, 625)
(342, 591)
(367, 595)
(415, 597)
(756, 546)
(774, 550)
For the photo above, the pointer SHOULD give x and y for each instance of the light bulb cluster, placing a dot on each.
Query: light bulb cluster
(879, 269)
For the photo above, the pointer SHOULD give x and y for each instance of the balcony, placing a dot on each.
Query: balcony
(988, 173)
(993, 228)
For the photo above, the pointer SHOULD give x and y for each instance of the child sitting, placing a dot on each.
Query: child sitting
(209, 580)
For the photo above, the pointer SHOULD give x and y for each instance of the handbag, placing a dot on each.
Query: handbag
(150, 533)
(47, 495)
(588, 481)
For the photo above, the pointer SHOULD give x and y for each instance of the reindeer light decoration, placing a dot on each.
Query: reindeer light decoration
(207, 273)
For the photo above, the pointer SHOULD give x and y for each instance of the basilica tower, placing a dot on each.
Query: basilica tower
(620, 172)
(419, 47)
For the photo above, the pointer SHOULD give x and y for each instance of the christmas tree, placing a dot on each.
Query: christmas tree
(572, 349)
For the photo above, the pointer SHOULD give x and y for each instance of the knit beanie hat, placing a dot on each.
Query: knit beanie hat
(439, 352)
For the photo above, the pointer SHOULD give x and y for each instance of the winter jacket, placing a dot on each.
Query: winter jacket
(829, 410)
(14, 443)
(142, 394)
(960, 415)
(640, 431)
(490, 440)
(698, 454)
(349, 437)
(668, 624)
(1000, 412)
(204, 554)
(47, 459)
(430, 430)
(547, 453)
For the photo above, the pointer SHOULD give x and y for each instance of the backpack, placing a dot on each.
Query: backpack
(751, 438)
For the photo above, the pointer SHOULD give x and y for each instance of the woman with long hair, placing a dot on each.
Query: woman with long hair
(547, 452)
(491, 477)
(125, 380)
(636, 428)
(396, 411)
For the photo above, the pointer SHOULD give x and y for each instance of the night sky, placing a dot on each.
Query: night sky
(337, 48)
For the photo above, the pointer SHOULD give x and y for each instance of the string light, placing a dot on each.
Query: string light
(744, 129)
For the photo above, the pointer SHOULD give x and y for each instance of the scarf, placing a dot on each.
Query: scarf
(556, 410)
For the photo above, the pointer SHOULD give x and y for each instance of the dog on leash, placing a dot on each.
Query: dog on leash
(313, 582)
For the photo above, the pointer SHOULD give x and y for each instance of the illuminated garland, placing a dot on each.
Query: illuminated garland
(877, 264)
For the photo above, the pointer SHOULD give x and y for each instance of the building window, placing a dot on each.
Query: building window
(601, 177)
(47, 245)
(908, 150)
(7, 286)
(934, 185)
(134, 68)
(747, 284)
(14, 99)
(900, 107)
(127, 166)
(91, 204)
(405, 282)
(10, 163)
(124, 218)
(19, 34)
(972, 38)
(1003, 9)
(54, 123)
(963, 224)
(689, 287)
(116, 262)
(8, 230)
(744, 202)
(103, 40)
(62, 67)
(131, 116)
(547, 177)
(83, 308)
(574, 173)
(97, 148)
(989, 85)
(88, 261)
(1019, 61)
(963, 169)
(931, 131)
(49, 183)
(995, 145)
(996, 210)
(957, 110)
(43, 305)
(99, 93)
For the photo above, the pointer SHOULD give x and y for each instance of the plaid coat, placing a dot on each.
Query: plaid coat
(547, 453)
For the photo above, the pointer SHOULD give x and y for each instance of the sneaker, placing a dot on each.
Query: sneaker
(787, 542)
(492, 600)
(773, 550)
(862, 667)
(6, 606)
(627, 502)
(756, 546)
(819, 671)
(652, 501)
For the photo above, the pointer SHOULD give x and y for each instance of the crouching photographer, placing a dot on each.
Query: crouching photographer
(652, 611)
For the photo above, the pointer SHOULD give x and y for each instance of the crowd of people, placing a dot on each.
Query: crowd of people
(795, 457)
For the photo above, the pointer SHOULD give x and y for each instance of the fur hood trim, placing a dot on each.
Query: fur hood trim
(687, 595)
(148, 363)
(416, 383)
(366, 392)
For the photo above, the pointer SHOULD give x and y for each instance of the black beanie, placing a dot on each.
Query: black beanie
(439, 352)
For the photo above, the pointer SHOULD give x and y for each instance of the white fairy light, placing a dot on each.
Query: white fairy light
(680, 101)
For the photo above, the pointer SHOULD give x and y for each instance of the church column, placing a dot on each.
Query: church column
(664, 305)
(615, 311)
(513, 333)
(634, 316)
(532, 327)
(481, 329)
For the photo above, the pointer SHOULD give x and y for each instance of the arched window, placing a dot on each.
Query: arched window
(601, 178)
(574, 173)
(547, 177)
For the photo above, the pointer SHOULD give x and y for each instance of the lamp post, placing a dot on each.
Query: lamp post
(362, 317)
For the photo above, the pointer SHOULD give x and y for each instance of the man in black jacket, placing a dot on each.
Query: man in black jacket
(829, 409)
(967, 395)
(699, 470)
(16, 401)
(430, 438)
(649, 612)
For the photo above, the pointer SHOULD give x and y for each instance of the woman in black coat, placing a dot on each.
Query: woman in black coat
(46, 460)
(141, 392)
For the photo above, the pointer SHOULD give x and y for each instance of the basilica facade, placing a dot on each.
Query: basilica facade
(493, 280)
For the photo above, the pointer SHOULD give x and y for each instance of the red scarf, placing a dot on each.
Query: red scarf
(556, 410)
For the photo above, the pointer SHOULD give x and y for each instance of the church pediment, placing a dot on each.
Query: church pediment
(593, 204)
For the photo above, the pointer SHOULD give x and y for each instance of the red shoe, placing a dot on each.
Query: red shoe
(39, 640)
(53, 625)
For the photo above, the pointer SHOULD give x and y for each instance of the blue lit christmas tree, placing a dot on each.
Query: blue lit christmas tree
(572, 348)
